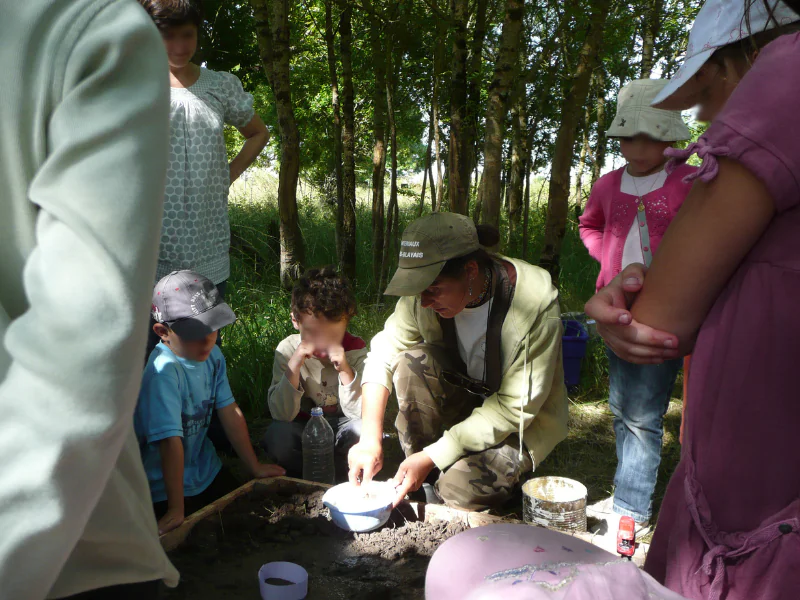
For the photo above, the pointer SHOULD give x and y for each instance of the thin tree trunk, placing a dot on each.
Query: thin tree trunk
(600, 149)
(458, 186)
(379, 146)
(651, 25)
(496, 110)
(558, 201)
(275, 45)
(526, 211)
(337, 126)
(469, 141)
(519, 155)
(587, 125)
(347, 258)
(426, 170)
(438, 57)
(391, 223)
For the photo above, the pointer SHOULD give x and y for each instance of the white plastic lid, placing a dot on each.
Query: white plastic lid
(316, 411)
(287, 571)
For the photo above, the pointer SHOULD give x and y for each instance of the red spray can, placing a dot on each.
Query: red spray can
(626, 537)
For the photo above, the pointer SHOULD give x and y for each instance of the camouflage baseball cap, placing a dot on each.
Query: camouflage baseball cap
(427, 244)
(190, 305)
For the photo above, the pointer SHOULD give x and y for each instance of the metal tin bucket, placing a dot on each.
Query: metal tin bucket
(555, 502)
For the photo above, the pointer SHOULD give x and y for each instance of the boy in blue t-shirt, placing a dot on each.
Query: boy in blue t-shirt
(184, 381)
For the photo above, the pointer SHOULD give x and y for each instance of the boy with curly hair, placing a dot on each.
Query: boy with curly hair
(319, 366)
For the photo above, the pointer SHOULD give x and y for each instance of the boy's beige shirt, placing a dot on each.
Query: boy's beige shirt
(533, 315)
(319, 384)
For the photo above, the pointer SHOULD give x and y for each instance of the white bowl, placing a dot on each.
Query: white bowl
(360, 508)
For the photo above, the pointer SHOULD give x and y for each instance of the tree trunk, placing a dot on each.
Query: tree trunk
(391, 223)
(347, 258)
(651, 25)
(587, 125)
(558, 201)
(469, 141)
(379, 145)
(276, 46)
(426, 170)
(337, 127)
(600, 150)
(504, 72)
(527, 208)
(458, 186)
(519, 154)
(438, 57)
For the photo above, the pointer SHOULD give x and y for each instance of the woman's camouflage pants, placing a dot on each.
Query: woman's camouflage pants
(429, 406)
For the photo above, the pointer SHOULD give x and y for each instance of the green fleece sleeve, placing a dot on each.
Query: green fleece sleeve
(499, 415)
(400, 333)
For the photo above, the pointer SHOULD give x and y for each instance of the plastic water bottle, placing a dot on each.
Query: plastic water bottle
(318, 449)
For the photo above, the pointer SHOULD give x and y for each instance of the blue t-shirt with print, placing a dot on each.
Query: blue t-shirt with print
(177, 398)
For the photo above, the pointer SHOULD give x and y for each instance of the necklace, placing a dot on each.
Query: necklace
(636, 186)
(487, 282)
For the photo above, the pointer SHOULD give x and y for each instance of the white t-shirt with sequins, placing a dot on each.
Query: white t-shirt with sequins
(196, 234)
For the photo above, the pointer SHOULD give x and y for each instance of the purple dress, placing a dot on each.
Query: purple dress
(729, 527)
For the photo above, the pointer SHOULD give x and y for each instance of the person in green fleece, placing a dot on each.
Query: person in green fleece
(473, 350)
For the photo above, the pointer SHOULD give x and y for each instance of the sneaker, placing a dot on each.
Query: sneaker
(601, 510)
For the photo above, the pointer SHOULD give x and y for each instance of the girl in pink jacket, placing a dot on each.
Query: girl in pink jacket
(627, 214)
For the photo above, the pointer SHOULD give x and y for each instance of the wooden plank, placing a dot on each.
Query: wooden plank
(174, 538)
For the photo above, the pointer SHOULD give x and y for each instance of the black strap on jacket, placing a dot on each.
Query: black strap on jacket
(502, 295)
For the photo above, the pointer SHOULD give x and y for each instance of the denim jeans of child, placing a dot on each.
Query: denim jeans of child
(639, 397)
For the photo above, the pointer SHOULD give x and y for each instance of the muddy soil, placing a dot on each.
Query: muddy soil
(221, 557)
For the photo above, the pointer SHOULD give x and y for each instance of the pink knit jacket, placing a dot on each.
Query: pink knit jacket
(609, 215)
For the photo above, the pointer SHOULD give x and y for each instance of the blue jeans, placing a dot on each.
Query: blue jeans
(283, 441)
(639, 397)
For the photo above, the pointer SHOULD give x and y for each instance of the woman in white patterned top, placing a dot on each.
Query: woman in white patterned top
(196, 234)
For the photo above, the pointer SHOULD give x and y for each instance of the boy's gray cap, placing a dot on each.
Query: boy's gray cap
(190, 305)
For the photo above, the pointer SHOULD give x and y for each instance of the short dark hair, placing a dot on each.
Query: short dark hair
(174, 13)
(323, 292)
(488, 236)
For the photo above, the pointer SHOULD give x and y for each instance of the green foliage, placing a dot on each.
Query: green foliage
(262, 307)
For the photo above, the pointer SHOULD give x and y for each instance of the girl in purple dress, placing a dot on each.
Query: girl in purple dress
(726, 282)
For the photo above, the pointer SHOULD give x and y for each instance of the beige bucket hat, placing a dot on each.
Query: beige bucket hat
(635, 115)
(427, 244)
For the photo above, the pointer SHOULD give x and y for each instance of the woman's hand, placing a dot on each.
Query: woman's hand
(365, 460)
(630, 340)
(411, 474)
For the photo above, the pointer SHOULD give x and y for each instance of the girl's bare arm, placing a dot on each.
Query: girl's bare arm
(714, 230)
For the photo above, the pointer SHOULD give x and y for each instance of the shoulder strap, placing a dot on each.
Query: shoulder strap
(501, 302)
(503, 293)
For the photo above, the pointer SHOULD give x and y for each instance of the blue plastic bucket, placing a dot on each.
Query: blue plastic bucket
(574, 349)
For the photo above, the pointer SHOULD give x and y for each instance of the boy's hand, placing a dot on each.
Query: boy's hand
(171, 520)
(304, 351)
(262, 471)
(338, 357)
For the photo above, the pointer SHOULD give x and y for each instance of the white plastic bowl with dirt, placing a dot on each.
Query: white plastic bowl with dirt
(361, 508)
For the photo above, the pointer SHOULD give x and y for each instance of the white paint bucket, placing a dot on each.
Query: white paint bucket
(555, 502)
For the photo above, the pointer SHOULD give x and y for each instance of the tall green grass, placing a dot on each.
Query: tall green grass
(262, 307)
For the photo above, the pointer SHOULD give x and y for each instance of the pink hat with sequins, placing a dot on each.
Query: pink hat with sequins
(719, 23)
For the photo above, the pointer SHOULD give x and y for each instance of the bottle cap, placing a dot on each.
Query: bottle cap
(316, 411)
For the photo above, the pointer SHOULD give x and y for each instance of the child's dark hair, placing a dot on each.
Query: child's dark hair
(488, 236)
(174, 13)
(323, 292)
